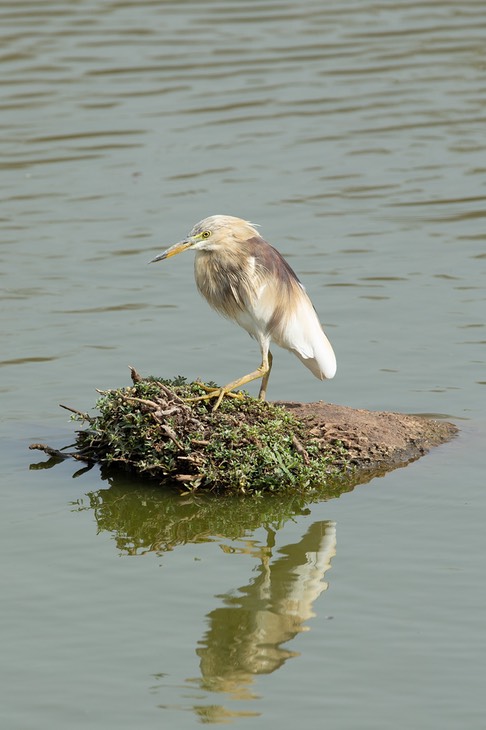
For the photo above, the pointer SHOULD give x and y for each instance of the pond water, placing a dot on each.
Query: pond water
(354, 134)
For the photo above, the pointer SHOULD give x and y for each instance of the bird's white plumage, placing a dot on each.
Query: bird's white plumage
(299, 330)
(247, 280)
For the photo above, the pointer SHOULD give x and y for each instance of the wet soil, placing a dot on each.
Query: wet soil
(373, 440)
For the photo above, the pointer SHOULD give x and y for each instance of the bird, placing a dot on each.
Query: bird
(248, 281)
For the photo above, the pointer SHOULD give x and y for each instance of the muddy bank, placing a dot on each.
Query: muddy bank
(373, 440)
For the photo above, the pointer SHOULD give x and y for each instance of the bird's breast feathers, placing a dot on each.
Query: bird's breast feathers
(253, 285)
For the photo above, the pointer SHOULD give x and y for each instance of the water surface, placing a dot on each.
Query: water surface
(353, 133)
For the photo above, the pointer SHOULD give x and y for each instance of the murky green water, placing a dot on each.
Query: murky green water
(353, 133)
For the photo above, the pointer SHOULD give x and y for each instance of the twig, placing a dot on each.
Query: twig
(78, 413)
(135, 376)
(168, 412)
(49, 451)
(58, 454)
(143, 401)
(300, 449)
(170, 394)
(171, 434)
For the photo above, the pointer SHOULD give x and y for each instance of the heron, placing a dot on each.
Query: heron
(248, 281)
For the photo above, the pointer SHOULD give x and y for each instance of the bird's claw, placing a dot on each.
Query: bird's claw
(214, 392)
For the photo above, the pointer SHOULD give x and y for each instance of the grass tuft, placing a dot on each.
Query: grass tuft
(245, 446)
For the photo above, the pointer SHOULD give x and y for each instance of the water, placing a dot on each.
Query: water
(353, 133)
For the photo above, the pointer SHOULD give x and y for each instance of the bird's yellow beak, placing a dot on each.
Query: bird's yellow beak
(172, 251)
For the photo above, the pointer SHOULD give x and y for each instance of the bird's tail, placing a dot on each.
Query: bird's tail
(309, 341)
(319, 357)
(300, 331)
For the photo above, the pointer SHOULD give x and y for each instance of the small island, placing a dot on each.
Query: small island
(157, 429)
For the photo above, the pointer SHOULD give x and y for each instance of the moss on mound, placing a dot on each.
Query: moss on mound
(247, 445)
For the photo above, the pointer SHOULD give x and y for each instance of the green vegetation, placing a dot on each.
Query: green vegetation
(141, 516)
(247, 445)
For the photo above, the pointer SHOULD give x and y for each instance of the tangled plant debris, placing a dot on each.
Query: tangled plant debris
(150, 428)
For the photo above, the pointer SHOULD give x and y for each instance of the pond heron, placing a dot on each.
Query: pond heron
(248, 281)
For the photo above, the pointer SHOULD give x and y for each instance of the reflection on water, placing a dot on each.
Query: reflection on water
(246, 634)
(251, 622)
(144, 518)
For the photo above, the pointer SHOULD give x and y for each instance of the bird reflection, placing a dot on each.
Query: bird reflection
(245, 636)
(248, 630)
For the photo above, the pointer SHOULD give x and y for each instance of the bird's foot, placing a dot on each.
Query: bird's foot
(214, 392)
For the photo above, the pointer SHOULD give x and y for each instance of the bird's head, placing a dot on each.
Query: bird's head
(210, 234)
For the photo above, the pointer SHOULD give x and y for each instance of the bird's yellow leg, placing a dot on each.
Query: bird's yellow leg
(263, 387)
(261, 372)
(212, 391)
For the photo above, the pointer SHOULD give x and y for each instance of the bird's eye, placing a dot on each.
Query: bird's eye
(205, 234)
